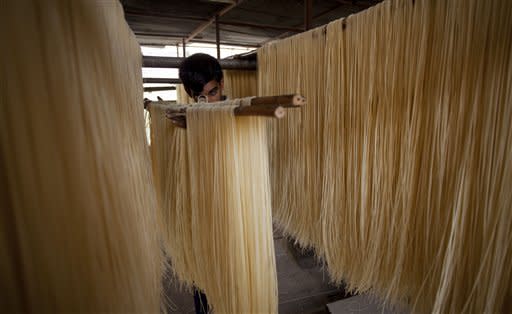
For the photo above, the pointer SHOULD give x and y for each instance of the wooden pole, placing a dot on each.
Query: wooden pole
(283, 100)
(217, 36)
(267, 110)
(308, 8)
(204, 25)
(268, 106)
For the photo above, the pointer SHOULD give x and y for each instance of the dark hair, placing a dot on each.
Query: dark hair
(197, 70)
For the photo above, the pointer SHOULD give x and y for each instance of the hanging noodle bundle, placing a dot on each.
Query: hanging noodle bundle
(77, 228)
(231, 213)
(170, 170)
(417, 161)
(296, 65)
(240, 83)
(214, 182)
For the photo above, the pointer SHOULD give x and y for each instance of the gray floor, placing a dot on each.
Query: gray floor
(303, 284)
(363, 304)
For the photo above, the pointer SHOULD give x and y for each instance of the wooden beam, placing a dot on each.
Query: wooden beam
(159, 88)
(361, 4)
(308, 11)
(173, 39)
(159, 80)
(262, 26)
(175, 62)
(204, 25)
(163, 17)
(269, 106)
(217, 36)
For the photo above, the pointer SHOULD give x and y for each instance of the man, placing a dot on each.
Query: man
(201, 75)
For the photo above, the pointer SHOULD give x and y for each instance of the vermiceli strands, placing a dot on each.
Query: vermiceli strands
(240, 83)
(231, 213)
(170, 170)
(296, 65)
(181, 95)
(213, 183)
(77, 228)
(416, 140)
(418, 164)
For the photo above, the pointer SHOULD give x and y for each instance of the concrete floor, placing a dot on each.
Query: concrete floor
(303, 284)
(363, 304)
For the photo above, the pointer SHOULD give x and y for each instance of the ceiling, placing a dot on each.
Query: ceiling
(249, 23)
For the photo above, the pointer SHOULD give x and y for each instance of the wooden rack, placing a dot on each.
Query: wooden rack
(269, 106)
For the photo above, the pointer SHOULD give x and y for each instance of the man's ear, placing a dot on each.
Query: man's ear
(221, 84)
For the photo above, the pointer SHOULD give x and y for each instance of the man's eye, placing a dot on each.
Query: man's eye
(213, 92)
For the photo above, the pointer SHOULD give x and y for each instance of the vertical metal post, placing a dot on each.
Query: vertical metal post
(217, 35)
(177, 50)
(308, 8)
(184, 48)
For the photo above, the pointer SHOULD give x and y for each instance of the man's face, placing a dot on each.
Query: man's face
(212, 90)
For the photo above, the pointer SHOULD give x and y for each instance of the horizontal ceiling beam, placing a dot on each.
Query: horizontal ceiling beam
(157, 15)
(358, 3)
(159, 80)
(159, 88)
(169, 39)
(227, 43)
(262, 26)
(222, 1)
(173, 62)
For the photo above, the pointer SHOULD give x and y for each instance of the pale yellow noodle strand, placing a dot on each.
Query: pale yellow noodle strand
(181, 95)
(240, 83)
(78, 204)
(231, 213)
(170, 170)
(414, 134)
(296, 65)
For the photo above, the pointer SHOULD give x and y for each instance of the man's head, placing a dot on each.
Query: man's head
(201, 75)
